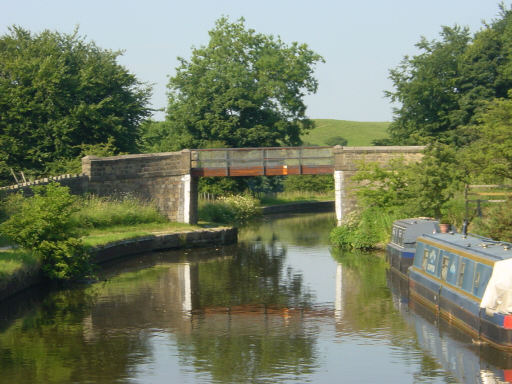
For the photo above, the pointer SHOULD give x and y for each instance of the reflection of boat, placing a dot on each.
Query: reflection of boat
(452, 348)
(465, 278)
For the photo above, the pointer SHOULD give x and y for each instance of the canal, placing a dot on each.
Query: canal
(280, 306)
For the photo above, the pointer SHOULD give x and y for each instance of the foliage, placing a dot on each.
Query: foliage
(363, 230)
(74, 165)
(221, 186)
(496, 222)
(443, 87)
(244, 89)
(101, 212)
(317, 183)
(414, 189)
(336, 140)
(58, 93)
(235, 209)
(46, 216)
(43, 225)
(64, 260)
(488, 157)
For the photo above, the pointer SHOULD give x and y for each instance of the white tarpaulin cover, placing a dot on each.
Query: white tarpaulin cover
(498, 294)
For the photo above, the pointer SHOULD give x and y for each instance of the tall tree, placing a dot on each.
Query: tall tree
(59, 93)
(444, 87)
(243, 89)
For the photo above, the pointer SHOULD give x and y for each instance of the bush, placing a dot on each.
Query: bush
(64, 260)
(43, 224)
(497, 222)
(44, 216)
(317, 183)
(229, 210)
(336, 140)
(363, 230)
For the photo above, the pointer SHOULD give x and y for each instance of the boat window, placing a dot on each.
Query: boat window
(444, 266)
(419, 256)
(425, 260)
(452, 268)
(467, 279)
(432, 262)
(460, 277)
(482, 275)
(400, 236)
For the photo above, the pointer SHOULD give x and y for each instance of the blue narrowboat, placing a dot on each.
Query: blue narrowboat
(402, 246)
(467, 279)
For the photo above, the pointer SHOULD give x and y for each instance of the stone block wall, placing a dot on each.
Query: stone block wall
(159, 177)
(347, 161)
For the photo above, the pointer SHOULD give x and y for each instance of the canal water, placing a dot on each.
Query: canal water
(280, 306)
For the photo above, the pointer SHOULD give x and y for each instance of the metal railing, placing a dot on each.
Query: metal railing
(279, 160)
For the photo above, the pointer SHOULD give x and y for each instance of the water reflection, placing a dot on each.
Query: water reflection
(466, 360)
(280, 306)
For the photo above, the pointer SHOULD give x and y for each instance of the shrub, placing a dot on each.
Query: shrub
(363, 230)
(336, 140)
(44, 216)
(497, 222)
(229, 210)
(64, 260)
(42, 224)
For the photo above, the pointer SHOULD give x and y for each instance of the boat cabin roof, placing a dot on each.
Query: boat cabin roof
(406, 231)
(484, 247)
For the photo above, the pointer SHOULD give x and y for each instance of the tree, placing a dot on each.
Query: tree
(444, 87)
(244, 89)
(489, 157)
(59, 93)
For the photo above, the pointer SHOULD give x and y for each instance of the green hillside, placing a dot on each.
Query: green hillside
(356, 132)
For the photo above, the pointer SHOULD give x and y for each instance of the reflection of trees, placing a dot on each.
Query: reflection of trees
(248, 348)
(368, 306)
(308, 230)
(50, 345)
(253, 276)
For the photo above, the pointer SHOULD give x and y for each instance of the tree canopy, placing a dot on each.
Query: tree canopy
(443, 87)
(243, 89)
(58, 93)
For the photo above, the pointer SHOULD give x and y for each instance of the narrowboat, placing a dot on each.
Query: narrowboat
(466, 279)
(402, 246)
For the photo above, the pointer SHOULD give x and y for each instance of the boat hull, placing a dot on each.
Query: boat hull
(459, 310)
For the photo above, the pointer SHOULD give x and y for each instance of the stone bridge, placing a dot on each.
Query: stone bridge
(170, 179)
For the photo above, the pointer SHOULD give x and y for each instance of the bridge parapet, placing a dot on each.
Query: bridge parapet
(262, 161)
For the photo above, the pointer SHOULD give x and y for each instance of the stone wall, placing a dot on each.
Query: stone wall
(347, 161)
(163, 178)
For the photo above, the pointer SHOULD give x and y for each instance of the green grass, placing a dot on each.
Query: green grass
(356, 132)
(13, 261)
(102, 236)
(295, 197)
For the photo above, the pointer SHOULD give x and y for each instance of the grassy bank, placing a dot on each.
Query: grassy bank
(295, 197)
(357, 133)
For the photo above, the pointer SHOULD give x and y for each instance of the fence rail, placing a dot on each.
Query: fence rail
(262, 161)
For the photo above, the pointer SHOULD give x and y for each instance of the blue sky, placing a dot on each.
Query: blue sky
(360, 40)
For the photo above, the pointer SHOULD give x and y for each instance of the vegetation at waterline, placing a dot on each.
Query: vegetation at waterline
(235, 209)
(54, 229)
(455, 97)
